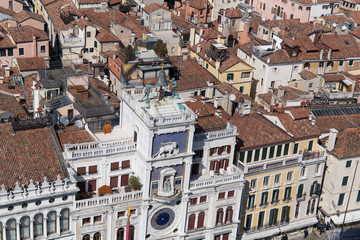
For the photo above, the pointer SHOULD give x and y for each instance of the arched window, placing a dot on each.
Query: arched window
(64, 220)
(297, 210)
(86, 237)
(11, 230)
(97, 236)
(315, 188)
(300, 191)
(302, 172)
(132, 232)
(24, 228)
(219, 216)
(38, 225)
(51, 222)
(191, 223)
(201, 219)
(120, 234)
(229, 213)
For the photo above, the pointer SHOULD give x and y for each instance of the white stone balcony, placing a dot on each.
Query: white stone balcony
(216, 181)
(93, 149)
(229, 131)
(335, 94)
(108, 199)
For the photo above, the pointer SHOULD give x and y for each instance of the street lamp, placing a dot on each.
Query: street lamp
(128, 223)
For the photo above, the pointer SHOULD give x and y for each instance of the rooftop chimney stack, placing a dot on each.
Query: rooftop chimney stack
(332, 139)
(198, 48)
(7, 72)
(217, 64)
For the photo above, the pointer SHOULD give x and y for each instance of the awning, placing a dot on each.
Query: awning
(350, 218)
(299, 224)
(347, 82)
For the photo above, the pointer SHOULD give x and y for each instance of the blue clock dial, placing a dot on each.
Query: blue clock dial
(162, 219)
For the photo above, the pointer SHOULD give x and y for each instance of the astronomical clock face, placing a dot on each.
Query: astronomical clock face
(162, 219)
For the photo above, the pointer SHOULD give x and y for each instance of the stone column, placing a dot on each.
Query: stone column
(45, 226)
(58, 223)
(31, 228)
(210, 222)
(187, 174)
(4, 231)
(18, 231)
(140, 232)
(109, 225)
(183, 214)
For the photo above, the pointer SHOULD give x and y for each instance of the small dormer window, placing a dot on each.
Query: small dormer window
(294, 53)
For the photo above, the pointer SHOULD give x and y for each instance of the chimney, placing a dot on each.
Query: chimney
(187, 10)
(217, 64)
(280, 92)
(192, 36)
(332, 139)
(7, 72)
(185, 56)
(329, 54)
(272, 101)
(1, 79)
(218, 38)
(220, 28)
(321, 54)
(132, 38)
(201, 31)
(198, 48)
(216, 103)
(268, 60)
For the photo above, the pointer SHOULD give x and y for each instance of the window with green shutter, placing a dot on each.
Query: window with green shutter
(310, 147)
(249, 156)
(264, 198)
(261, 220)
(248, 222)
(300, 191)
(242, 156)
(348, 164)
(273, 216)
(286, 149)
(264, 153)
(272, 151)
(275, 195)
(278, 151)
(257, 155)
(296, 148)
(341, 199)
(345, 181)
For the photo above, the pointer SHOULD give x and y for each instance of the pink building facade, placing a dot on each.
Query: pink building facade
(305, 10)
(15, 5)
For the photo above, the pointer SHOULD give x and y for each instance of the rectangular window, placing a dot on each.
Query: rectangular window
(286, 149)
(43, 49)
(230, 76)
(266, 181)
(95, 44)
(202, 199)
(257, 154)
(114, 166)
(221, 195)
(358, 196)
(251, 201)
(241, 89)
(249, 156)
(21, 51)
(253, 183)
(345, 181)
(193, 201)
(81, 171)
(289, 176)
(287, 193)
(341, 199)
(273, 217)
(88, 34)
(272, 151)
(275, 196)
(278, 151)
(121, 214)
(261, 219)
(85, 221)
(114, 181)
(245, 74)
(248, 222)
(91, 49)
(231, 193)
(10, 52)
(125, 164)
(97, 219)
(277, 179)
(351, 62)
(242, 156)
(348, 163)
(3, 52)
(296, 148)
(92, 169)
(264, 153)
(341, 63)
(310, 147)
(264, 198)
(321, 64)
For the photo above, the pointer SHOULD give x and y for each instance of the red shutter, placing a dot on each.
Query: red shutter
(92, 186)
(201, 153)
(125, 164)
(211, 151)
(81, 171)
(81, 186)
(219, 150)
(217, 166)
(202, 199)
(231, 214)
(212, 165)
(221, 163)
(114, 166)
(191, 223)
(114, 182)
(201, 218)
(226, 236)
(93, 169)
(226, 164)
(124, 180)
(228, 149)
(222, 195)
(231, 193)
(193, 201)
(219, 216)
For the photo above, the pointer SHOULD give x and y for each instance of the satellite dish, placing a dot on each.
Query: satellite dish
(232, 97)
(79, 124)
(64, 120)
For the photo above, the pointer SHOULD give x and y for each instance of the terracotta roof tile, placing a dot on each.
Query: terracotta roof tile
(339, 122)
(347, 143)
(25, 34)
(333, 77)
(307, 75)
(24, 15)
(5, 42)
(10, 104)
(151, 8)
(73, 135)
(31, 63)
(22, 160)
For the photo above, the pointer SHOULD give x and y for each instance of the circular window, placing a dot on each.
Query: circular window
(51, 200)
(64, 198)
(162, 219)
(10, 208)
(24, 205)
(38, 202)
(178, 202)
